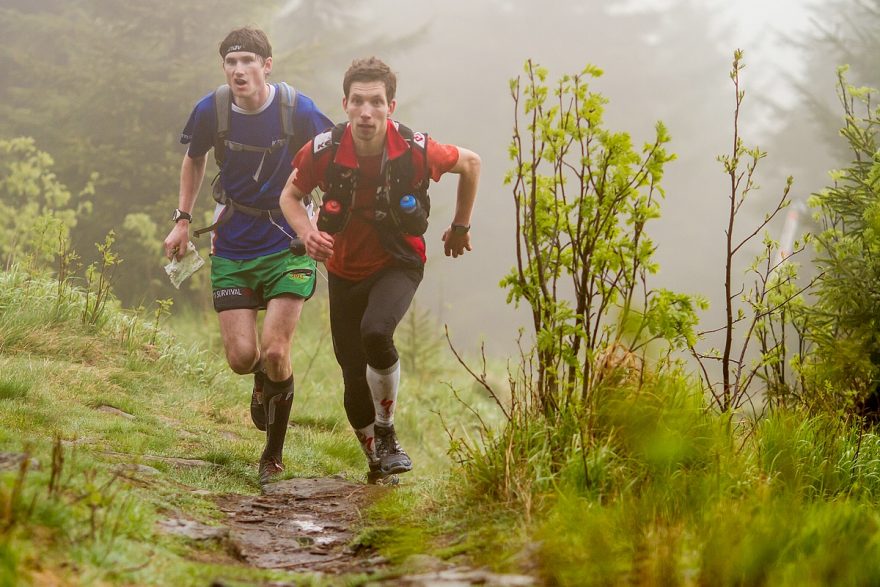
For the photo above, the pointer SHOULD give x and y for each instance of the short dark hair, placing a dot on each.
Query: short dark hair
(246, 39)
(370, 69)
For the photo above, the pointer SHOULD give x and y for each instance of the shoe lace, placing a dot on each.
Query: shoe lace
(388, 442)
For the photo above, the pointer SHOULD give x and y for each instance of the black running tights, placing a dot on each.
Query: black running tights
(363, 317)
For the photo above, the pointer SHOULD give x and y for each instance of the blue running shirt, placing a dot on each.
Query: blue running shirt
(250, 178)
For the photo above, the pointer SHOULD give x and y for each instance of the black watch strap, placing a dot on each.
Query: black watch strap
(179, 214)
(460, 228)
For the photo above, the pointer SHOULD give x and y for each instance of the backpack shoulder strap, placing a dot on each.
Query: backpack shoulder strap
(419, 141)
(288, 109)
(405, 131)
(222, 109)
(328, 141)
(414, 138)
(337, 132)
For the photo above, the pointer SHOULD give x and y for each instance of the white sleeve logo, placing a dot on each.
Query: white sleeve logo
(322, 141)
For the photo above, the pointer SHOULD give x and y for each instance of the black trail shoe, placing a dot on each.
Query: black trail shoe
(258, 412)
(392, 458)
(375, 476)
(269, 467)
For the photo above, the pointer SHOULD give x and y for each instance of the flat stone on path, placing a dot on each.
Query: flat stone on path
(115, 412)
(138, 468)
(300, 525)
(191, 529)
(175, 461)
(459, 577)
(13, 460)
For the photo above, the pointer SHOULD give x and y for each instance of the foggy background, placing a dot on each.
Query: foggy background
(73, 68)
(662, 61)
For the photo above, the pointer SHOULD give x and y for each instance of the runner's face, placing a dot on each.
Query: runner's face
(368, 110)
(246, 73)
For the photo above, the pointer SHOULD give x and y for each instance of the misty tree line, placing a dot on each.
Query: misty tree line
(96, 95)
(102, 90)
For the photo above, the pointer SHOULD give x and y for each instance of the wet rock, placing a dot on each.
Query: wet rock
(528, 558)
(423, 563)
(458, 577)
(191, 529)
(177, 425)
(12, 460)
(178, 462)
(175, 461)
(77, 442)
(130, 468)
(115, 411)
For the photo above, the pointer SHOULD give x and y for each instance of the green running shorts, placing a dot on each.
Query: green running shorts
(250, 283)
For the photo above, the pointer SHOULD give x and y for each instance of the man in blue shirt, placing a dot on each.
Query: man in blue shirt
(252, 267)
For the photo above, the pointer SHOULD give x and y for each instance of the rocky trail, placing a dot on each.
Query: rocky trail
(304, 525)
(301, 525)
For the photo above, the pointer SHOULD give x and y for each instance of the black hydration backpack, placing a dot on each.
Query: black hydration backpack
(399, 176)
(394, 226)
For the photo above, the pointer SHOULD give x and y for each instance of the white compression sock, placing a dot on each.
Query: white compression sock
(383, 387)
(366, 436)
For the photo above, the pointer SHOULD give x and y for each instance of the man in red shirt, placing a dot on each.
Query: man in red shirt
(374, 174)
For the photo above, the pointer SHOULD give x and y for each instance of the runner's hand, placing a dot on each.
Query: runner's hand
(455, 244)
(177, 240)
(319, 245)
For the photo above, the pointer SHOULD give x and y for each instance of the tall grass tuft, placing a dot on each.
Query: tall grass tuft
(648, 486)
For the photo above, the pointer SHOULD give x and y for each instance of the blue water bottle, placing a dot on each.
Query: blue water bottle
(413, 219)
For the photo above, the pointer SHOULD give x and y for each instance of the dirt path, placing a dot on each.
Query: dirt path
(301, 525)
(305, 525)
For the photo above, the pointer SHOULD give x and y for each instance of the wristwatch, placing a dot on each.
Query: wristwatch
(460, 228)
(179, 214)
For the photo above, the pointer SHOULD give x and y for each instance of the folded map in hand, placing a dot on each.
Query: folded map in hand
(190, 263)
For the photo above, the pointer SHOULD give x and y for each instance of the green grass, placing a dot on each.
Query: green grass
(644, 485)
(14, 388)
(96, 526)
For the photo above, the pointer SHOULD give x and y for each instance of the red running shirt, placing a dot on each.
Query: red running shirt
(357, 250)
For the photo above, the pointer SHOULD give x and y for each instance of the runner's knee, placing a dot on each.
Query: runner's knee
(379, 348)
(241, 361)
(276, 357)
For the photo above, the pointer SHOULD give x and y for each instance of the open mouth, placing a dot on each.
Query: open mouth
(240, 83)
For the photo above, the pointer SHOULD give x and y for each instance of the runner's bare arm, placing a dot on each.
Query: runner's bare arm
(319, 245)
(468, 169)
(192, 173)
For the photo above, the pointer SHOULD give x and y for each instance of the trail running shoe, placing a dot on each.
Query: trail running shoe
(269, 467)
(376, 477)
(258, 412)
(392, 458)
